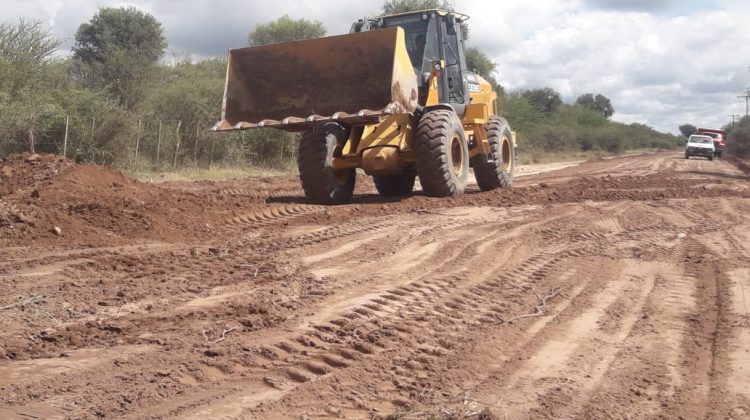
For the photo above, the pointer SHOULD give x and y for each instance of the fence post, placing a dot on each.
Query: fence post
(195, 147)
(211, 152)
(158, 145)
(137, 144)
(65, 141)
(177, 146)
(31, 139)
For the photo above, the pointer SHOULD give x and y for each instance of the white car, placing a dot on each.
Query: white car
(700, 145)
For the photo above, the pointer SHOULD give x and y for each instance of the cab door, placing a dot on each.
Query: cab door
(454, 83)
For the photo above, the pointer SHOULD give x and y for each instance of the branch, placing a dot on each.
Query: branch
(539, 310)
(223, 334)
(425, 211)
(32, 299)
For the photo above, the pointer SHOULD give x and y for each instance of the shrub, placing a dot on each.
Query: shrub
(738, 143)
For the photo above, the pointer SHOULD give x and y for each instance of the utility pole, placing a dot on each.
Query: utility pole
(735, 118)
(746, 97)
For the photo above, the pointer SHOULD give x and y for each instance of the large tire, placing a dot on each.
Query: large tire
(442, 154)
(497, 171)
(397, 185)
(710, 158)
(321, 183)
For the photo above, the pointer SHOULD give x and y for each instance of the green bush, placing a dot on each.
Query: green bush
(575, 128)
(738, 142)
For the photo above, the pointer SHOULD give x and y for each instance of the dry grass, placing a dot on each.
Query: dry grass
(222, 173)
(540, 156)
(229, 172)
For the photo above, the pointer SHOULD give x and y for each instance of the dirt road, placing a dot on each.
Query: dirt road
(614, 288)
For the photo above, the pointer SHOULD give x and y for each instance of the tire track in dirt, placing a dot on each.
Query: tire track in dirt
(272, 214)
(558, 366)
(739, 356)
(160, 315)
(327, 346)
(402, 307)
(365, 330)
(449, 311)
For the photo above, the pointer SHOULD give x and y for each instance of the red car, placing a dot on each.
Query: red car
(719, 136)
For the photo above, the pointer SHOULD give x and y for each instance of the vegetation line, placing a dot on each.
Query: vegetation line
(113, 100)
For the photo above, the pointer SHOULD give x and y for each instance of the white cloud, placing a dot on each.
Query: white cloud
(662, 62)
(661, 70)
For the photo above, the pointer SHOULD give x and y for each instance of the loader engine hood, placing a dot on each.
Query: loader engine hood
(353, 78)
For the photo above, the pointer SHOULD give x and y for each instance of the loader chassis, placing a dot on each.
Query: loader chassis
(439, 118)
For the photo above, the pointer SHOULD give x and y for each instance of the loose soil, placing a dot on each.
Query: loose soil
(614, 288)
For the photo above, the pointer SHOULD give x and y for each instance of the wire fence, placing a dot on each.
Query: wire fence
(148, 143)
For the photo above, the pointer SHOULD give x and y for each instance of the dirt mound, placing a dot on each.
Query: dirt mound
(49, 198)
(27, 171)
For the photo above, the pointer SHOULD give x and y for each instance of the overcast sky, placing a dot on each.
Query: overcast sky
(661, 62)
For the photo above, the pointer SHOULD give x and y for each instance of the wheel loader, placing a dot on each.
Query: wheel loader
(394, 97)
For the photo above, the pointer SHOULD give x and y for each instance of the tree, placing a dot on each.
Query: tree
(285, 29)
(26, 42)
(118, 50)
(25, 50)
(519, 112)
(598, 103)
(401, 6)
(27, 77)
(479, 61)
(738, 142)
(545, 100)
(391, 7)
(688, 130)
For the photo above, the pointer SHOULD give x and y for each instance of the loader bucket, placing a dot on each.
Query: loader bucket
(353, 78)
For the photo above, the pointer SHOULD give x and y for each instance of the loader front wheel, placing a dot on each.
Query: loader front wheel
(321, 183)
(397, 185)
(496, 170)
(442, 154)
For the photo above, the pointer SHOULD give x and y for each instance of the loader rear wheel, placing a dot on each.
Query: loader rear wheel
(321, 182)
(496, 171)
(397, 185)
(442, 154)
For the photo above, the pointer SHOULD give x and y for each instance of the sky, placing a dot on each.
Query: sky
(662, 62)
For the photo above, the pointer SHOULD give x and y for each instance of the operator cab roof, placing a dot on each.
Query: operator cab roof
(459, 16)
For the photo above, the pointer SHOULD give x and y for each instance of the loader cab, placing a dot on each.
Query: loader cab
(434, 37)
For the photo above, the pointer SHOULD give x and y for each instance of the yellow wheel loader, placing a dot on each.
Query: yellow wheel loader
(394, 97)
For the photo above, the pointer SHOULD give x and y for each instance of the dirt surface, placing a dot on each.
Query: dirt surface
(609, 289)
